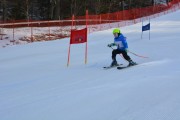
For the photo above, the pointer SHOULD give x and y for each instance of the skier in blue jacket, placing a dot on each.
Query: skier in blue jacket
(122, 48)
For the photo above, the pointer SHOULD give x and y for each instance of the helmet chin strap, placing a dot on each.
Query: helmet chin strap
(116, 35)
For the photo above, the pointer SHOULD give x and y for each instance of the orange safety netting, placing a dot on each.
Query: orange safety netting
(95, 22)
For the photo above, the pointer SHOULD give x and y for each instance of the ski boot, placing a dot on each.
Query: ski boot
(131, 63)
(114, 63)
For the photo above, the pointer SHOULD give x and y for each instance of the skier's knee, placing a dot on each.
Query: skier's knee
(113, 52)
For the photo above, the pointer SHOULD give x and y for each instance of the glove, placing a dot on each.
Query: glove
(126, 50)
(109, 45)
(112, 44)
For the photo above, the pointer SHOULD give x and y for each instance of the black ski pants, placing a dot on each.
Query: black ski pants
(123, 52)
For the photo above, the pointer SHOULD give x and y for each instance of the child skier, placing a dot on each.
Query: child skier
(122, 48)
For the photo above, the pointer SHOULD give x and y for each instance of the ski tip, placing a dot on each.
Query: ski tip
(121, 68)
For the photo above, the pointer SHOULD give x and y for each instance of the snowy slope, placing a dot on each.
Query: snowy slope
(35, 83)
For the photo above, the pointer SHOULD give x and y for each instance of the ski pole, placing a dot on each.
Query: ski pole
(134, 54)
(137, 55)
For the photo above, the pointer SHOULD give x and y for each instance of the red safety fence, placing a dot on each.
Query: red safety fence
(49, 30)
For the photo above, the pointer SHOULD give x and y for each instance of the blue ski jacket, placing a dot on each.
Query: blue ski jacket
(121, 42)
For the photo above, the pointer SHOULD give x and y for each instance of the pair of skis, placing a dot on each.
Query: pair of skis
(119, 67)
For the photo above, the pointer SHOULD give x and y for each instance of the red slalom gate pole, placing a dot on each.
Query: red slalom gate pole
(87, 17)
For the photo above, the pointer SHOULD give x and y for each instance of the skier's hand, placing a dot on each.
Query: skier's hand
(112, 44)
(126, 50)
(109, 45)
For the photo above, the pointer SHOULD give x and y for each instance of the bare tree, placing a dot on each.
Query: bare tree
(27, 9)
(52, 8)
(98, 7)
(57, 9)
(4, 6)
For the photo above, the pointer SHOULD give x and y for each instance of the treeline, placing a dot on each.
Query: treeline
(62, 9)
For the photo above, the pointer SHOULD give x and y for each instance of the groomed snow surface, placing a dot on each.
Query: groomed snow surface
(35, 83)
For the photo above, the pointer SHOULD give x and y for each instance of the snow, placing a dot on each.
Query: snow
(35, 83)
(24, 35)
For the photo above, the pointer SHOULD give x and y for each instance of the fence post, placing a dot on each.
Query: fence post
(31, 32)
(13, 31)
(109, 21)
(1, 33)
(100, 22)
(49, 29)
(72, 24)
(134, 16)
(59, 23)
